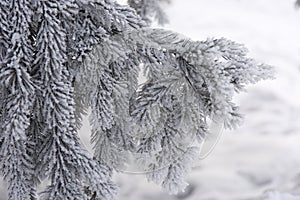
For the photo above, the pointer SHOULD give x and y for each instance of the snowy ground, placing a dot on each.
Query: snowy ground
(260, 160)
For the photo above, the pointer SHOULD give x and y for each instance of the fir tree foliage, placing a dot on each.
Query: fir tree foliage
(17, 91)
(63, 59)
(66, 166)
(188, 83)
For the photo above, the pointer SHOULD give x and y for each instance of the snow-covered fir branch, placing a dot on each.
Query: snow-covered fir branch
(60, 59)
(17, 90)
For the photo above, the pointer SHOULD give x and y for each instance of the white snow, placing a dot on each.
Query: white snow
(274, 195)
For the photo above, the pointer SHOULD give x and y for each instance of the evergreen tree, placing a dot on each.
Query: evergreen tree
(60, 58)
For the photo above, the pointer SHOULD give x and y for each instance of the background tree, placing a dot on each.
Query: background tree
(61, 58)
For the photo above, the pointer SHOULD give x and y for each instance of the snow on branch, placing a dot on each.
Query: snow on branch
(188, 82)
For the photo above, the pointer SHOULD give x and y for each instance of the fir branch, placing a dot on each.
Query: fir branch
(17, 92)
